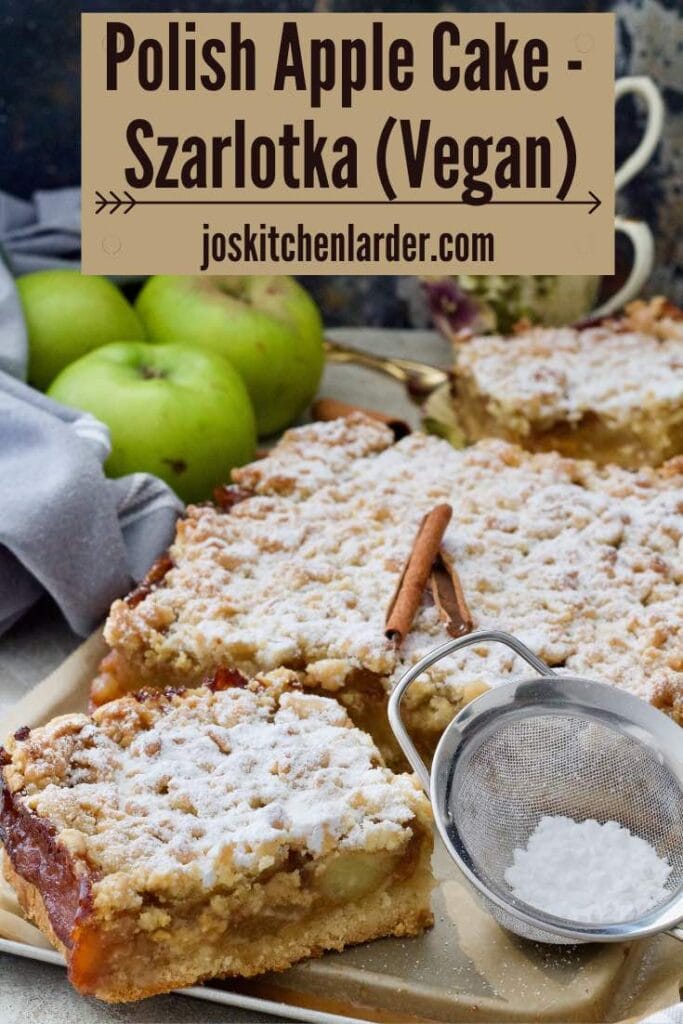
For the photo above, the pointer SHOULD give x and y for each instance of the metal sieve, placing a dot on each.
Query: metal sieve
(551, 745)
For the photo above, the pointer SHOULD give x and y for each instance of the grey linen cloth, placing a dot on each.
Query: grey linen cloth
(65, 529)
(43, 232)
(38, 234)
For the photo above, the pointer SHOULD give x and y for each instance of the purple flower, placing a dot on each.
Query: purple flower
(453, 309)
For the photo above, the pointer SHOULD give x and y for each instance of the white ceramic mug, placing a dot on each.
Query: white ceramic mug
(638, 232)
(643, 254)
(562, 300)
(645, 88)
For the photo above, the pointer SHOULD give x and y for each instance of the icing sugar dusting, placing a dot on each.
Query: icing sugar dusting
(200, 788)
(588, 872)
(561, 373)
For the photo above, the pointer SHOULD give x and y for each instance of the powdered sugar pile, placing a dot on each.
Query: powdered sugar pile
(588, 872)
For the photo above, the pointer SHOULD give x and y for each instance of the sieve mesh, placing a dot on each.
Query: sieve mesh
(526, 765)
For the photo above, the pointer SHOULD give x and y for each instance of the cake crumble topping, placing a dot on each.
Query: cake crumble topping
(174, 794)
(582, 563)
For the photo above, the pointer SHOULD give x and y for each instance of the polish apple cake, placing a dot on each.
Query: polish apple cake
(298, 565)
(611, 392)
(177, 836)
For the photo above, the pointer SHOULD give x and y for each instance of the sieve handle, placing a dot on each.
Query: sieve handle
(394, 710)
(676, 933)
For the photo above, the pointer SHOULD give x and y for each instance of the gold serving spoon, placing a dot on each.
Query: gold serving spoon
(419, 379)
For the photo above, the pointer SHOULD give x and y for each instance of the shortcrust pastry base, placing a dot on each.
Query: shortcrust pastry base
(149, 968)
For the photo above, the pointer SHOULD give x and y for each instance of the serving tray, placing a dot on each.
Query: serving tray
(465, 969)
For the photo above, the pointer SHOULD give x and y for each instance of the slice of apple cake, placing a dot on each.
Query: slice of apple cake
(611, 392)
(582, 563)
(178, 836)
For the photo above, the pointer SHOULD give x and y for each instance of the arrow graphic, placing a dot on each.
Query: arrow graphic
(596, 202)
(116, 203)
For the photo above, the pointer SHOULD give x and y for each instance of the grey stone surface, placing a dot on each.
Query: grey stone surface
(38, 993)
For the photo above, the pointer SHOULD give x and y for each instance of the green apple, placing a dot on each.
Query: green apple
(68, 314)
(173, 410)
(268, 327)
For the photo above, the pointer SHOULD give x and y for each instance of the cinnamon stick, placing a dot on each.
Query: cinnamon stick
(416, 573)
(334, 409)
(449, 597)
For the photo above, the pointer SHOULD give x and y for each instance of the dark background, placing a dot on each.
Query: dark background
(40, 129)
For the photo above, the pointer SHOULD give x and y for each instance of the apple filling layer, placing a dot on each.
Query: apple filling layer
(647, 441)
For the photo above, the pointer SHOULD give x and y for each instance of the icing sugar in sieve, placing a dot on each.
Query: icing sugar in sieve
(561, 801)
(587, 871)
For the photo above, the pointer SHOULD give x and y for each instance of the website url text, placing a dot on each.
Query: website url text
(268, 244)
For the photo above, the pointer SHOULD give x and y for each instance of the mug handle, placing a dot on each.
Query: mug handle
(643, 259)
(640, 85)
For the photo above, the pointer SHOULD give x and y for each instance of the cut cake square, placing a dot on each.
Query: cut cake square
(611, 392)
(178, 836)
(582, 563)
